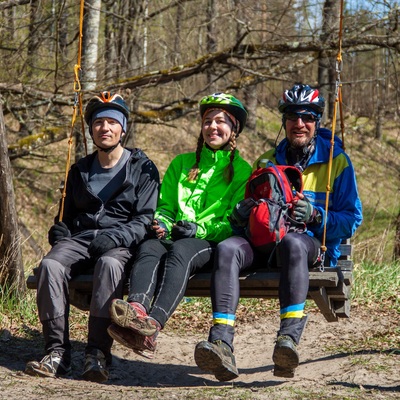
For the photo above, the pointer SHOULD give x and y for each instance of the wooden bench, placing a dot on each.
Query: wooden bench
(330, 289)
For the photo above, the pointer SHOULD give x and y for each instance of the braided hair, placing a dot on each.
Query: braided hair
(194, 171)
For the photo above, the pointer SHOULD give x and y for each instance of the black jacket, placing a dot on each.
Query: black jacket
(127, 212)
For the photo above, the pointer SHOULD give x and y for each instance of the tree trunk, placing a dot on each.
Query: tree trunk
(11, 266)
(379, 122)
(145, 35)
(110, 51)
(250, 93)
(251, 102)
(396, 252)
(178, 33)
(90, 42)
(33, 41)
(211, 38)
(327, 64)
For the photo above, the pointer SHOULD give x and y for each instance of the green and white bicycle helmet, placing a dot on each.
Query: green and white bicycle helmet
(226, 102)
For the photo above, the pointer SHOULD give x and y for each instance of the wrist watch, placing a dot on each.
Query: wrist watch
(317, 217)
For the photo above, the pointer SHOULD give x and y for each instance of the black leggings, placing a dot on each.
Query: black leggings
(161, 272)
(294, 256)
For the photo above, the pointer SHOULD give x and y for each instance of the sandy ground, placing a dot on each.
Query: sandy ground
(356, 358)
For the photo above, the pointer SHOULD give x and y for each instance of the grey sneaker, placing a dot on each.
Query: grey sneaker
(285, 357)
(95, 368)
(217, 358)
(52, 365)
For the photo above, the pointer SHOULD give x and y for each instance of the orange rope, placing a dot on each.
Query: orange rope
(338, 101)
(77, 103)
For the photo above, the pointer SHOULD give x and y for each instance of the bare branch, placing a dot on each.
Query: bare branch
(12, 3)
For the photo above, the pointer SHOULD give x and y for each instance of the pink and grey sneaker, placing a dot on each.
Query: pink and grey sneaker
(142, 345)
(133, 316)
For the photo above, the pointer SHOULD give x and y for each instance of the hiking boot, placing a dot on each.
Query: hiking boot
(143, 345)
(52, 365)
(217, 358)
(95, 368)
(133, 316)
(285, 357)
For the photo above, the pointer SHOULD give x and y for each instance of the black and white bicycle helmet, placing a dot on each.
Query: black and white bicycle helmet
(302, 96)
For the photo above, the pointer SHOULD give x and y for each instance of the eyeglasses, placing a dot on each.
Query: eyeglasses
(305, 117)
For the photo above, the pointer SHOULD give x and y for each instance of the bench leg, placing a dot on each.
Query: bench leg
(323, 301)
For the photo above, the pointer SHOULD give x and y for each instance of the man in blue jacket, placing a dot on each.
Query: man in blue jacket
(111, 196)
(306, 146)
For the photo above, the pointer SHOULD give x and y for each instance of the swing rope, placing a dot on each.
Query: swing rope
(338, 102)
(77, 107)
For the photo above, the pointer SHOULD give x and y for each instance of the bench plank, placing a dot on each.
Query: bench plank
(329, 289)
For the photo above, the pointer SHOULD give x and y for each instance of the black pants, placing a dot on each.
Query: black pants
(294, 256)
(161, 272)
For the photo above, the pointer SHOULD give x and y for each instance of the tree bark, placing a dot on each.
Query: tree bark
(211, 38)
(11, 266)
(326, 64)
(91, 24)
(396, 252)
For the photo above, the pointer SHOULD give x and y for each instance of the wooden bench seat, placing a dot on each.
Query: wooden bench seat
(329, 289)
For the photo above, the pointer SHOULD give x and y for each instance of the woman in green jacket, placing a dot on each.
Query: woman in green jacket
(198, 192)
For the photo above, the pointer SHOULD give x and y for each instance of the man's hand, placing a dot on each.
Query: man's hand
(157, 229)
(100, 245)
(183, 229)
(241, 213)
(303, 211)
(57, 232)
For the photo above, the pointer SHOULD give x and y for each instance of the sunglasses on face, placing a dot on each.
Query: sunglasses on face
(305, 117)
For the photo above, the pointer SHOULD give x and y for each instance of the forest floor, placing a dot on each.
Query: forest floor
(356, 358)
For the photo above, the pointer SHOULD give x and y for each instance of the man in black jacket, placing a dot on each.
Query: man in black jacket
(111, 196)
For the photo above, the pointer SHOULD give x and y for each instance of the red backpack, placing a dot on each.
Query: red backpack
(274, 188)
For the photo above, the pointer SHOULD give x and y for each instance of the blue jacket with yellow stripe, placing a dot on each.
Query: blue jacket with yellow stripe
(344, 206)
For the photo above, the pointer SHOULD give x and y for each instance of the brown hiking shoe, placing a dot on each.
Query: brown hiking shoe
(142, 345)
(285, 357)
(217, 358)
(133, 316)
(95, 368)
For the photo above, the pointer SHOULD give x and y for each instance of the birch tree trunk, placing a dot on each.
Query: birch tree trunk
(90, 41)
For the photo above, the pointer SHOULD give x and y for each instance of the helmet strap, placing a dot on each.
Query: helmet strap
(108, 149)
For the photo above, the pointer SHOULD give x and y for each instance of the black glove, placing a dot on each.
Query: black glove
(157, 229)
(241, 212)
(57, 232)
(183, 229)
(303, 211)
(100, 245)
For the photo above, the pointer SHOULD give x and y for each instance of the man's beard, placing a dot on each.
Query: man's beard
(298, 143)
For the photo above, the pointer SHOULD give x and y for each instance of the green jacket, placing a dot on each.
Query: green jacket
(207, 201)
